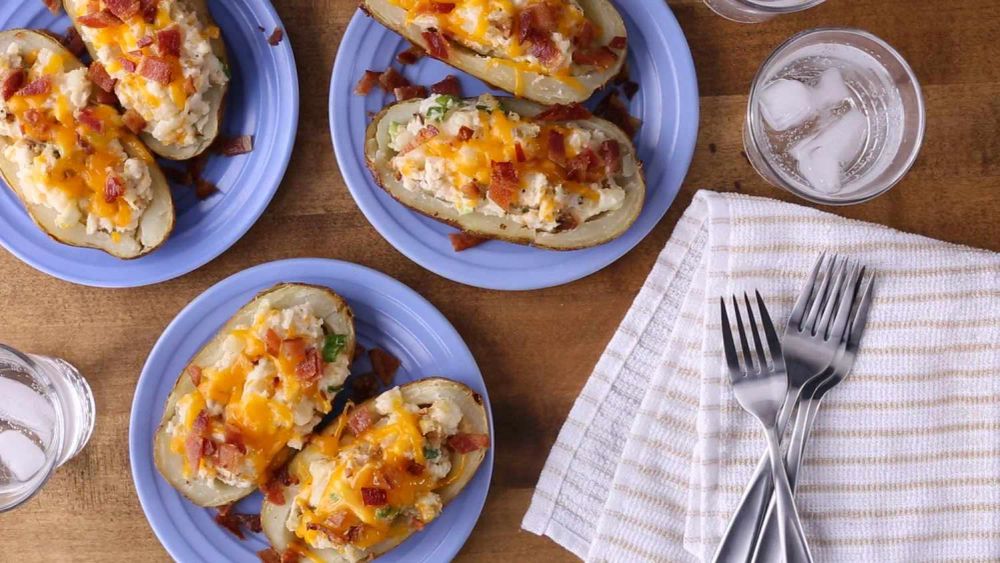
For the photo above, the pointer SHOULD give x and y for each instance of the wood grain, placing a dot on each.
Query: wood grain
(89, 511)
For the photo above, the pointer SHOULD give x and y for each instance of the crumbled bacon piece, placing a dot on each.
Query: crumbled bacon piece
(229, 457)
(384, 365)
(156, 69)
(114, 188)
(442, 7)
(557, 147)
(168, 41)
(411, 55)
(519, 152)
(310, 368)
(203, 188)
(449, 86)
(101, 19)
(536, 22)
(463, 241)
(234, 146)
(107, 98)
(193, 444)
(37, 87)
(404, 93)
(630, 89)
(465, 443)
(586, 166)
(133, 121)
(464, 133)
(13, 82)
(472, 189)
(269, 555)
(235, 522)
(585, 34)
(273, 492)
(99, 76)
(276, 36)
(546, 51)
(53, 5)
(392, 79)
(122, 9)
(599, 57)
(367, 83)
(613, 109)
(414, 468)
(90, 119)
(272, 342)
(373, 496)
(148, 9)
(127, 64)
(382, 479)
(567, 222)
(618, 43)
(425, 134)
(437, 44)
(73, 42)
(364, 387)
(360, 420)
(610, 152)
(144, 41)
(503, 183)
(569, 112)
(194, 372)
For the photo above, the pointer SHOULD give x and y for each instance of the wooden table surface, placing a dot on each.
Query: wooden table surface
(89, 510)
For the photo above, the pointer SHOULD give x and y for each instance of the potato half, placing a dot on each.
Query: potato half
(531, 85)
(215, 97)
(597, 230)
(337, 318)
(474, 420)
(157, 220)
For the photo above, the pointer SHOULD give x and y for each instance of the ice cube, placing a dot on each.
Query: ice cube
(786, 103)
(22, 405)
(831, 90)
(20, 455)
(821, 158)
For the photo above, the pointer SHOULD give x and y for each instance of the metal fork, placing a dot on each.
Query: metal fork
(808, 352)
(769, 546)
(760, 388)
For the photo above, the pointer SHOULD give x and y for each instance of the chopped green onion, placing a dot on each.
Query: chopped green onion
(394, 129)
(334, 389)
(333, 346)
(443, 103)
(431, 453)
(386, 513)
(334, 497)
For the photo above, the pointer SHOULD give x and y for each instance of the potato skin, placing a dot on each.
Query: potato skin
(475, 420)
(536, 87)
(169, 464)
(158, 219)
(592, 233)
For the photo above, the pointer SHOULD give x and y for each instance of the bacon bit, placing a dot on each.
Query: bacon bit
(546, 51)
(416, 523)
(367, 83)
(437, 44)
(464, 241)
(234, 146)
(414, 468)
(229, 457)
(148, 9)
(37, 87)
(194, 372)
(411, 55)
(585, 34)
(99, 76)
(449, 86)
(90, 119)
(425, 134)
(586, 166)
(383, 480)
(519, 152)
(630, 89)
(273, 492)
(472, 189)
(234, 437)
(127, 64)
(466, 443)
(613, 109)
(384, 365)
(442, 7)
(236, 522)
(123, 9)
(336, 519)
(561, 112)
(276, 36)
(144, 41)
(360, 420)
(203, 189)
(536, 22)
(353, 534)
(374, 497)
(464, 133)
(114, 188)
(310, 368)
(409, 92)
(364, 387)
(557, 147)
(133, 121)
(503, 183)
(294, 349)
(272, 342)
(269, 555)
(156, 69)
(284, 477)
(106, 98)
(53, 6)
(73, 42)
(567, 222)
(618, 43)
(194, 442)
(101, 19)
(168, 41)
(13, 82)
(610, 152)
(391, 79)
(599, 57)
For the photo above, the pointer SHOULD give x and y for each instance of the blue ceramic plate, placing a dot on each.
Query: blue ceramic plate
(263, 101)
(667, 102)
(388, 315)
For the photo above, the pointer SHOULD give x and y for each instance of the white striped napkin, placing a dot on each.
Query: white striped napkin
(904, 463)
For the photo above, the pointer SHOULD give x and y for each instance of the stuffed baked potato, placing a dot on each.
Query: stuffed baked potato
(84, 178)
(379, 473)
(254, 393)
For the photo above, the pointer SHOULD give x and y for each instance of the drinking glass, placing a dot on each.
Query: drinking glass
(756, 11)
(836, 116)
(46, 418)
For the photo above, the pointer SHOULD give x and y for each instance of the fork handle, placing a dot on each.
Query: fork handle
(793, 538)
(741, 535)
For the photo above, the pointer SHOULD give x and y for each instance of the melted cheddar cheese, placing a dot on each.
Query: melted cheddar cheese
(264, 393)
(448, 151)
(70, 151)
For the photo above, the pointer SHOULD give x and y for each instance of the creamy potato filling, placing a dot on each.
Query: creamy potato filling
(162, 60)
(474, 155)
(69, 150)
(271, 384)
(380, 483)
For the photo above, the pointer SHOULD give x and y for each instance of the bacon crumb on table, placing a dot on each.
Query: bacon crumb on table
(369, 80)
(73, 42)
(463, 241)
(411, 55)
(390, 79)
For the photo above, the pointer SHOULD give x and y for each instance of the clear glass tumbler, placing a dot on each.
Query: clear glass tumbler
(756, 11)
(46, 418)
(836, 116)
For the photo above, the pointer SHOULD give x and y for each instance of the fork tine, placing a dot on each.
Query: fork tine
(747, 358)
(861, 316)
(761, 357)
(834, 299)
(799, 310)
(773, 342)
(848, 300)
(727, 342)
(820, 296)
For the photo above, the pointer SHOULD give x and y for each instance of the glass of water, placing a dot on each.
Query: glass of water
(835, 116)
(46, 417)
(755, 11)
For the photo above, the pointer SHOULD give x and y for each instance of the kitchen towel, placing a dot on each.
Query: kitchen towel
(904, 460)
